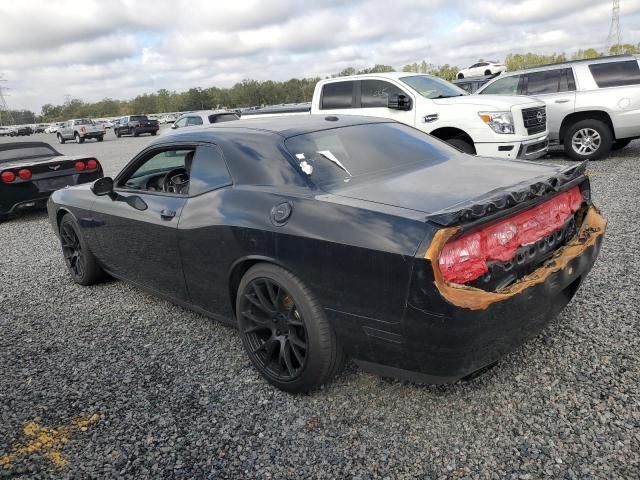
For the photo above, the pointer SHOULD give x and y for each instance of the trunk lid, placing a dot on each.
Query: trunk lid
(463, 187)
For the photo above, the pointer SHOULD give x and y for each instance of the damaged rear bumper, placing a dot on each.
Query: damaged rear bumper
(450, 331)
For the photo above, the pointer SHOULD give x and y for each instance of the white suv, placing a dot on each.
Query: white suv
(593, 105)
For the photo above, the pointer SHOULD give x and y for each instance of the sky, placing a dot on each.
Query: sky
(121, 48)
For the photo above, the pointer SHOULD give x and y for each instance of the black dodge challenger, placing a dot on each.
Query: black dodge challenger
(31, 171)
(324, 238)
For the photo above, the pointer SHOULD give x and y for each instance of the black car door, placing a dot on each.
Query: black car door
(136, 227)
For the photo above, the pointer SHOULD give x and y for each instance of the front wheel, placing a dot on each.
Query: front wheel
(460, 76)
(60, 139)
(588, 140)
(78, 138)
(81, 264)
(285, 331)
(487, 72)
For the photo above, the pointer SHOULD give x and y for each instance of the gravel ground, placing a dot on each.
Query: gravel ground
(108, 382)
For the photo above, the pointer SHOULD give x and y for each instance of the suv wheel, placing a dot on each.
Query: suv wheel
(78, 138)
(285, 331)
(588, 140)
(60, 139)
(135, 132)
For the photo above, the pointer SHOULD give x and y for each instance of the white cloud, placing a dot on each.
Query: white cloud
(120, 48)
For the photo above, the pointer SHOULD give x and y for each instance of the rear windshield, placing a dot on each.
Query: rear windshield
(83, 121)
(225, 117)
(26, 152)
(340, 156)
(138, 118)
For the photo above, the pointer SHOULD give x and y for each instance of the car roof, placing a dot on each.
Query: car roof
(285, 126)
(18, 145)
(549, 66)
(393, 75)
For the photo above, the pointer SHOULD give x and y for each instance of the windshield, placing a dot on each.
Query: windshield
(137, 118)
(20, 153)
(345, 155)
(432, 87)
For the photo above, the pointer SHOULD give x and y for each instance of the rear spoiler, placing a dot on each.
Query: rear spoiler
(505, 199)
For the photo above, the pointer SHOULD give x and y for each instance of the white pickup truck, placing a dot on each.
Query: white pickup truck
(489, 125)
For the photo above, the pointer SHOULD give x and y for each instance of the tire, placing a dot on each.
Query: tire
(460, 76)
(84, 270)
(487, 72)
(153, 134)
(60, 139)
(135, 133)
(588, 140)
(100, 138)
(3, 217)
(314, 355)
(78, 138)
(620, 144)
(462, 144)
(117, 132)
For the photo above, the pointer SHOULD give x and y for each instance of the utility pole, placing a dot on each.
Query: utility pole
(615, 37)
(5, 114)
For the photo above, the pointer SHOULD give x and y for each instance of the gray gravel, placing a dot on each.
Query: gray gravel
(177, 398)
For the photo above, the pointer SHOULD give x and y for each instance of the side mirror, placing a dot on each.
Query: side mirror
(173, 126)
(102, 186)
(399, 102)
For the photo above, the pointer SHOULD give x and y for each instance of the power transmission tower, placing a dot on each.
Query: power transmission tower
(615, 37)
(5, 114)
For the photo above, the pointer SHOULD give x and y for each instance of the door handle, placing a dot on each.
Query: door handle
(562, 100)
(167, 214)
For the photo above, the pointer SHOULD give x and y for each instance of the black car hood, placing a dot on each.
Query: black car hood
(464, 187)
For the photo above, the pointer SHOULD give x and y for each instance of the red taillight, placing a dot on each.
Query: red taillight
(8, 176)
(82, 129)
(79, 166)
(465, 259)
(92, 164)
(24, 173)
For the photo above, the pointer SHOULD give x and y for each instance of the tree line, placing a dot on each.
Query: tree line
(253, 92)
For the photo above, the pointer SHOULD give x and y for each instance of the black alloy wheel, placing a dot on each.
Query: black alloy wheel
(285, 331)
(80, 261)
(72, 251)
(274, 329)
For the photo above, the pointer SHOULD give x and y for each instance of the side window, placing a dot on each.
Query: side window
(504, 86)
(181, 123)
(374, 93)
(194, 121)
(539, 83)
(151, 173)
(616, 74)
(567, 81)
(337, 95)
(208, 171)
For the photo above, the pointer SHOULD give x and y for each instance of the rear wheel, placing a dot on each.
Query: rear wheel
(487, 72)
(3, 217)
(154, 133)
(285, 331)
(135, 132)
(588, 140)
(462, 144)
(60, 139)
(78, 138)
(460, 75)
(100, 138)
(620, 144)
(81, 264)
(117, 132)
